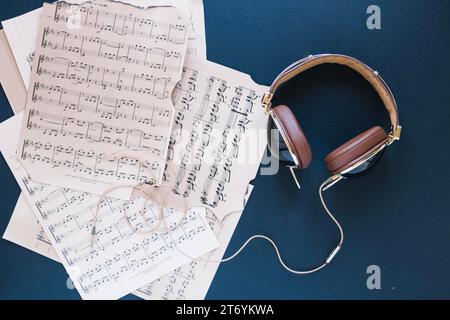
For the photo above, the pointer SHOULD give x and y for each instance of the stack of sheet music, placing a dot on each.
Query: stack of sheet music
(110, 93)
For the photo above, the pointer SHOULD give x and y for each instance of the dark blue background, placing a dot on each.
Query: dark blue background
(397, 217)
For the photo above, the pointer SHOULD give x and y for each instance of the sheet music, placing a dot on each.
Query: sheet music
(23, 40)
(218, 138)
(24, 229)
(190, 281)
(101, 83)
(174, 285)
(198, 283)
(120, 259)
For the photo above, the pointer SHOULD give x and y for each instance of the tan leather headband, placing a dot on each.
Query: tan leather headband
(368, 73)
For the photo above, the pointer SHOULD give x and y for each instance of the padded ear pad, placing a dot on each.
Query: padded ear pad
(294, 135)
(355, 150)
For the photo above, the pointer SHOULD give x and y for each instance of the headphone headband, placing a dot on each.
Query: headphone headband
(368, 73)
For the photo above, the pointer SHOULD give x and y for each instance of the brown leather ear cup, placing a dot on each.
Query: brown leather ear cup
(355, 150)
(294, 135)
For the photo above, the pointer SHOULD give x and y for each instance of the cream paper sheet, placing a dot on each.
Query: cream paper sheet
(101, 84)
(22, 40)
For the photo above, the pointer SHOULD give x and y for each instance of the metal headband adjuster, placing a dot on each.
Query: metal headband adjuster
(395, 134)
(267, 101)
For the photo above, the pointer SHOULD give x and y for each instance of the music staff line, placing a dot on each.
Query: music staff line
(98, 77)
(55, 125)
(89, 162)
(160, 56)
(106, 107)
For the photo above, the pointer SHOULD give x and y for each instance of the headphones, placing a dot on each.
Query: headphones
(349, 160)
(354, 156)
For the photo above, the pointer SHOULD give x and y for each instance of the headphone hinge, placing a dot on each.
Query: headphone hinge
(395, 134)
(267, 101)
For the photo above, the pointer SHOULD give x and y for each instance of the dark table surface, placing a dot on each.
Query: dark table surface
(396, 217)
